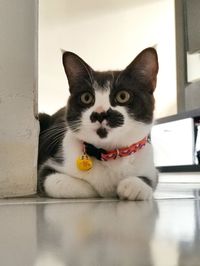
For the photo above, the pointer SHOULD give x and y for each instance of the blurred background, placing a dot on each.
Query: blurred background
(107, 35)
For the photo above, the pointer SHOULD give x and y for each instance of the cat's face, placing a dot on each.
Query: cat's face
(113, 108)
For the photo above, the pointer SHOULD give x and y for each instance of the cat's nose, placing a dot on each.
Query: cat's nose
(95, 116)
(99, 109)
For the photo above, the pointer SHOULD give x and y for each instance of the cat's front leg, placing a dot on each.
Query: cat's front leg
(135, 188)
(59, 185)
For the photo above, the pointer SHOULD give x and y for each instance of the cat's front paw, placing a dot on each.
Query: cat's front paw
(133, 188)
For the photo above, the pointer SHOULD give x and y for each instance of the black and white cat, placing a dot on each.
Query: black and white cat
(108, 117)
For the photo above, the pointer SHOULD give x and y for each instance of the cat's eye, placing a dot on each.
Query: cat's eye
(122, 97)
(87, 98)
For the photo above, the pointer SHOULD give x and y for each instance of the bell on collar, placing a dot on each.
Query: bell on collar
(84, 163)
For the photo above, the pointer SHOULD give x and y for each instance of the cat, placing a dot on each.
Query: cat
(98, 145)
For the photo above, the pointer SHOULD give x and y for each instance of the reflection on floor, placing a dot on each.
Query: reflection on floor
(48, 232)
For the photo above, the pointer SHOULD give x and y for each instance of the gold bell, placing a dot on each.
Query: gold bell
(84, 163)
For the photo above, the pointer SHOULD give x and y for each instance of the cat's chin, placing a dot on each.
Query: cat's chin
(102, 132)
(107, 142)
(103, 139)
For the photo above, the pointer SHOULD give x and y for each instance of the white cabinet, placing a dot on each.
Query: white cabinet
(174, 143)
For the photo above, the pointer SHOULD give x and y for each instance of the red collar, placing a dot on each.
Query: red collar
(103, 155)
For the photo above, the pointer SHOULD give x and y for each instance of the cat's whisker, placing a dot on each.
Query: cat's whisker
(52, 128)
(50, 147)
(52, 143)
(48, 137)
(50, 133)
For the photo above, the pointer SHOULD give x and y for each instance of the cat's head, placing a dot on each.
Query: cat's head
(113, 108)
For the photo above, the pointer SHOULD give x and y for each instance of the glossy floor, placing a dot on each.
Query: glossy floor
(46, 232)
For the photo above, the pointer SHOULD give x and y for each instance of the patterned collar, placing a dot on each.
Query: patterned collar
(103, 155)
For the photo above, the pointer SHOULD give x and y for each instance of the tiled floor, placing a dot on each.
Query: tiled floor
(48, 232)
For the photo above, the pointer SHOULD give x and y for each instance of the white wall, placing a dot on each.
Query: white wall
(18, 87)
(108, 35)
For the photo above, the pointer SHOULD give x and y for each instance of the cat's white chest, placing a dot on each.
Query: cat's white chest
(103, 176)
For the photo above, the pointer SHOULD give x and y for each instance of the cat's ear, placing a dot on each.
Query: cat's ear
(76, 69)
(144, 68)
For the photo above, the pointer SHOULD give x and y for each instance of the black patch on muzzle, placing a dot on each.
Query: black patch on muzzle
(113, 118)
(102, 133)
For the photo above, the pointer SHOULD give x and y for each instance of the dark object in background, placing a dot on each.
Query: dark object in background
(192, 25)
